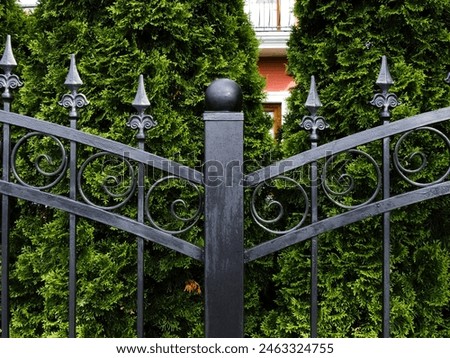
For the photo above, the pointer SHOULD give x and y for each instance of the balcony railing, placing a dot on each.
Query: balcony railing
(271, 15)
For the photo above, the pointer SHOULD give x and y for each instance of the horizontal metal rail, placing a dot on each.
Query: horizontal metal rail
(349, 217)
(104, 144)
(343, 144)
(126, 224)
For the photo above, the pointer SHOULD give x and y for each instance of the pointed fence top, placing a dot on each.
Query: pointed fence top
(73, 80)
(313, 101)
(313, 123)
(141, 102)
(141, 121)
(384, 100)
(8, 62)
(384, 77)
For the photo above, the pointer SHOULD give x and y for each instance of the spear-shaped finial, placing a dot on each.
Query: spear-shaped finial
(384, 80)
(313, 101)
(141, 121)
(73, 100)
(8, 62)
(313, 122)
(141, 102)
(73, 80)
(384, 100)
(8, 80)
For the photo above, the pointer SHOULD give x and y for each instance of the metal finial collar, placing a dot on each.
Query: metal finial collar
(7, 63)
(141, 121)
(313, 123)
(73, 100)
(384, 100)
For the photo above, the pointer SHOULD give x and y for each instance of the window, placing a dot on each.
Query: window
(274, 110)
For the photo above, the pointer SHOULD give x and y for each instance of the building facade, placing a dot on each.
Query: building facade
(272, 21)
(27, 5)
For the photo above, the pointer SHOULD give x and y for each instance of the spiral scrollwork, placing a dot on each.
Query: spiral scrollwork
(273, 215)
(106, 181)
(27, 154)
(417, 165)
(184, 209)
(347, 187)
(314, 123)
(10, 82)
(73, 101)
(384, 101)
(141, 122)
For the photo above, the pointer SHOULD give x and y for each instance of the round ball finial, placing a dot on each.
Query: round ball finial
(223, 95)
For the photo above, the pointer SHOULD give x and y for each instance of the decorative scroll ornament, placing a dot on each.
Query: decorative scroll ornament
(8, 63)
(448, 78)
(313, 123)
(74, 99)
(347, 189)
(184, 210)
(29, 163)
(418, 166)
(384, 100)
(106, 181)
(271, 214)
(141, 121)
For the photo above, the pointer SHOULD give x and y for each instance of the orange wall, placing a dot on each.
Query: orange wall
(274, 70)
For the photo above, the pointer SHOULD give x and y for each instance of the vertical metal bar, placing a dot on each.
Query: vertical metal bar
(73, 238)
(142, 122)
(224, 243)
(314, 123)
(7, 81)
(5, 233)
(386, 239)
(73, 101)
(385, 101)
(314, 250)
(140, 250)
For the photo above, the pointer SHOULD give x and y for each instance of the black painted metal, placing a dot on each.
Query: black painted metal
(102, 216)
(314, 123)
(224, 226)
(345, 144)
(222, 206)
(385, 101)
(141, 122)
(7, 81)
(349, 217)
(73, 101)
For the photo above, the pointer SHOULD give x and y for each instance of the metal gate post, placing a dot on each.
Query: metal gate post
(224, 243)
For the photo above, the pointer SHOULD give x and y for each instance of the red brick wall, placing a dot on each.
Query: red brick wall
(274, 70)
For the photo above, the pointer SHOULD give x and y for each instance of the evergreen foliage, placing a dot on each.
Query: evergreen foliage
(341, 43)
(14, 23)
(180, 46)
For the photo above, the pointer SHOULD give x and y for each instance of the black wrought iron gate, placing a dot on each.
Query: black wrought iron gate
(223, 183)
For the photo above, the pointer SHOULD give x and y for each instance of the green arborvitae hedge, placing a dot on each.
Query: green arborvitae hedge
(180, 46)
(341, 43)
(14, 22)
